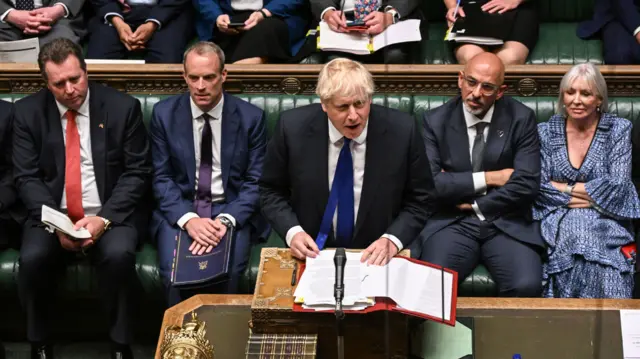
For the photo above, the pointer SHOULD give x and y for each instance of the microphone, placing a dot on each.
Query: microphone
(339, 260)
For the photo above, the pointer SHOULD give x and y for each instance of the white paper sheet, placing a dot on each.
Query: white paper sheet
(61, 222)
(402, 31)
(20, 51)
(630, 327)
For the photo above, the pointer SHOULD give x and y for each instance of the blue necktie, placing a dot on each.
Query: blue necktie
(341, 196)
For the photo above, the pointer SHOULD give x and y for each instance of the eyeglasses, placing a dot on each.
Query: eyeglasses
(486, 88)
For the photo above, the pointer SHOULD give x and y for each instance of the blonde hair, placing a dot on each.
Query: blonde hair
(590, 73)
(345, 78)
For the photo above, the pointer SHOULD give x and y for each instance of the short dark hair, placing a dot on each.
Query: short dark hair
(57, 51)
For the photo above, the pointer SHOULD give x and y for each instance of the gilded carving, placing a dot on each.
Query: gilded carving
(187, 342)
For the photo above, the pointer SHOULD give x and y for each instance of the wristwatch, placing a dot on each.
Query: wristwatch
(394, 14)
(568, 189)
(107, 223)
(226, 221)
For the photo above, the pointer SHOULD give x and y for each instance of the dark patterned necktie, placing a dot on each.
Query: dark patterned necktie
(478, 147)
(203, 193)
(24, 5)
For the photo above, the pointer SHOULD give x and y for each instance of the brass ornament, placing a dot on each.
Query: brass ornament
(187, 342)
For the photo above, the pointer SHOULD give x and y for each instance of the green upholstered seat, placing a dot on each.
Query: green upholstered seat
(79, 282)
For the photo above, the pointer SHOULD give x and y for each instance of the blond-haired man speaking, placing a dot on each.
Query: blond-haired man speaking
(346, 173)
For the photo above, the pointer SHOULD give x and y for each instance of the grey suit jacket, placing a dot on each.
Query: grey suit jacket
(74, 7)
(404, 7)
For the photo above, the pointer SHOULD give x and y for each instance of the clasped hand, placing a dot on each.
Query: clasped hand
(379, 252)
(134, 40)
(36, 21)
(206, 234)
(96, 227)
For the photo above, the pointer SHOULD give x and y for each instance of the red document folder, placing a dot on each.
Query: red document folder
(384, 303)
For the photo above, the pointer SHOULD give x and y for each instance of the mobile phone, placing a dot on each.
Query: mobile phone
(356, 24)
(236, 24)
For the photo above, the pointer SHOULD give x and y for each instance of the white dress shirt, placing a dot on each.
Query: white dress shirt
(90, 197)
(217, 188)
(246, 5)
(358, 151)
(479, 181)
(36, 5)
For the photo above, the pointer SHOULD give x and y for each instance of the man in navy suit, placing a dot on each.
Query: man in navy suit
(207, 149)
(618, 21)
(485, 160)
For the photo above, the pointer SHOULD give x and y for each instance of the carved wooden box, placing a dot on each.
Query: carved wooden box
(372, 336)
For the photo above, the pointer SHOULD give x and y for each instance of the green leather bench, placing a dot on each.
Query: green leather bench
(557, 43)
(77, 312)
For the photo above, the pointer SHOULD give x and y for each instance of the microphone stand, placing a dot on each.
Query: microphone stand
(340, 330)
(339, 260)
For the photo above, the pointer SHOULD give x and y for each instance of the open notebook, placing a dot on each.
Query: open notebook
(364, 44)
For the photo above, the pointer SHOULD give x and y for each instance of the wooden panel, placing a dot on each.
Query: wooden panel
(522, 80)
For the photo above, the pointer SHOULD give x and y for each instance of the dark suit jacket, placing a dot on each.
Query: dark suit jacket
(295, 14)
(512, 143)
(164, 11)
(624, 11)
(244, 141)
(405, 8)
(119, 145)
(8, 193)
(294, 187)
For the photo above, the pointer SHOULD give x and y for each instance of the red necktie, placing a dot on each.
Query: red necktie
(72, 175)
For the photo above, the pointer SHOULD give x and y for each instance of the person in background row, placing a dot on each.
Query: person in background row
(377, 15)
(587, 200)
(520, 41)
(45, 19)
(270, 30)
(485, 159)
(80, 148)
(11, 209)
(346, 173)
(617, 22)
(160, 30)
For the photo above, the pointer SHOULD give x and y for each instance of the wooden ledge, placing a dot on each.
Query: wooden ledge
(523, 80)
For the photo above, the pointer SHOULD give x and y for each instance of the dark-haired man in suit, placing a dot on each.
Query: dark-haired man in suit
(485, 160)
(346, 173)
(377, 15)
(618, 24)
(80, 148)
(11, 211)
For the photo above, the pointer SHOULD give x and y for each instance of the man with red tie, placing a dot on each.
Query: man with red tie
(80, 148)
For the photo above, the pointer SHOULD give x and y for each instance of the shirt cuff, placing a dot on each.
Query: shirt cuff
(184, 219)
(479, 182)
(229, 217)
(325, 10)
(477, 210)
(395, 240)
(636, 31)
(4, 16)
(155, 21)
(292, 232)
(106, 17)
(66, 9)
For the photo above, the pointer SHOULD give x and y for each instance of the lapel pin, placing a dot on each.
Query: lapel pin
(101, 125)
(500, 133)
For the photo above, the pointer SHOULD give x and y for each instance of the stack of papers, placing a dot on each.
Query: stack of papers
(414, 287)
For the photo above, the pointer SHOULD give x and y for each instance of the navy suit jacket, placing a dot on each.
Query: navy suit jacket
(173, 152)
(624, 11)
(512, 143)
(295, 13)
(164, 11)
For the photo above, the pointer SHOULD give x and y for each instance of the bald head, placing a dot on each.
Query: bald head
(488, 65)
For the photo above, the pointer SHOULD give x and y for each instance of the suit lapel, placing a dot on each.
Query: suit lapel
(318, 159)
(183, 129)
(458, 141)
(55, 140)
(230, 125)
(497, 136)
(373, 166)
(98, 130)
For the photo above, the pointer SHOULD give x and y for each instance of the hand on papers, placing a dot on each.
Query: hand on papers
(68, 244)
(377, 22)
(336, 20)
(451, 15)
(303, 246)
(379, 252)
(206, 234)
(500, 6)
(93, 224)
(222, 23)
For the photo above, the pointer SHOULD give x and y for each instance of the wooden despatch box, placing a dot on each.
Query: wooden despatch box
(365, 335)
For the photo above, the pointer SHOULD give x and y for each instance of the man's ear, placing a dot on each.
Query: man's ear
(501, 91)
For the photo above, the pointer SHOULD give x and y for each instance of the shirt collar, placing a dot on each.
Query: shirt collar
(472, 120)
(215, 112)
(83, 110)
(335, 135)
